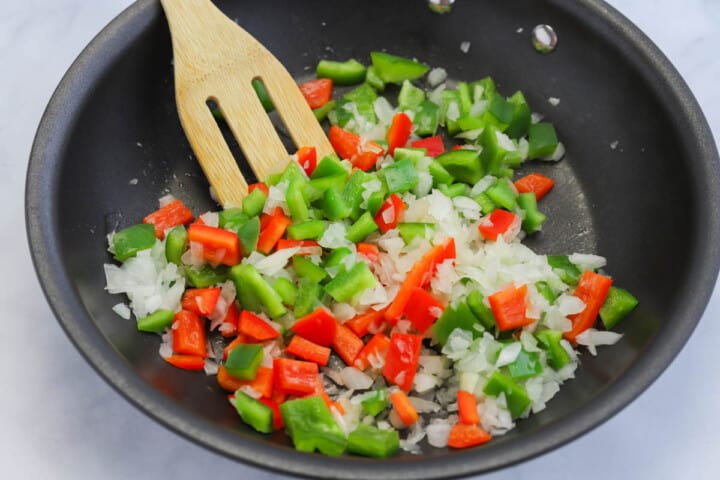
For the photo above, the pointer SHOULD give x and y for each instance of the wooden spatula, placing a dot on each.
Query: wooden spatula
(216, 60)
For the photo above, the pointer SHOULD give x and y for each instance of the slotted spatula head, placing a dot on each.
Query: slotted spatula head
(216, 60)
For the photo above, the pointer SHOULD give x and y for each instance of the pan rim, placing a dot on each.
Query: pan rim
(58, 120)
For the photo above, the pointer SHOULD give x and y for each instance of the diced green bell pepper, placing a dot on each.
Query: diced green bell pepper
(456, 315)
(486, 203)
(156, 322)
(372, 78)
(618, 303)
(307, 230)
(244, 360)
(308, 297)
(286, 289)
(410, 96)
(335, 257)
(494, 151)
(364, 226)
(370, 441)
(351, 283)
(412, 154)
(254, 290)
(375, 201)
(329, 166)
(516, 397)
(546, 291)
(248, 233)
(564, 268)
(439, 174)
(557, 356)
(521, 116)
(321, 113)
(376, 403)
(454, 190)
(400, 176)
(231, 217)
(306, 269)
(316, 187)
(526, 365)
(352, 192)
(483, 89)
(502, 194)
(534, 218)
(410, 230)
(253, 412)
(502, 110)
(393, 69)
(312, 427)
(263, 95)
(464, 165)
(127, 242)
(342, 73)
(176, 243)
(466, 101)
(481, 311)
(296, 202)
(426, 119)
(334, 205)
(206, 276)
(542, 140)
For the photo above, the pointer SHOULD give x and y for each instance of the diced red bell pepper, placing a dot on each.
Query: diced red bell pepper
(422, 309)
(399, 131)
(226, 381)
(346, 344)
(259, 185)
(433, 145)
(377, 347)
(402, 359)
(218, 245)
(307, 247)
(278, 423)
(509, 306)
(390, 213)
(228, 328)
(307, 158)
(463, 435)
(317, 326)
(189, 334)
(347, 145)
(591, 289)
(262, 383)
(362, 323)
(369, 250)
(255, 327)
(467, 407)
(308, 350)
(201, 301)
(171, 215)
(186, 362)
(419, 275)
(317, 92)
(405, 410)
(536, 183)
(272, 229)
(295, 377)
(498, 222)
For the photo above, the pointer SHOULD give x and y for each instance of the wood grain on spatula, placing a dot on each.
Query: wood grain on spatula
(216, 60)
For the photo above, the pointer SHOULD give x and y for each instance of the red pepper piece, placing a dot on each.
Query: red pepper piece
(295, 377)
(536, 183)
(201, 301)
(509, 306)
(255, 327)
(369, 250)
(346, 344)
(272, 228)
(402, 359)
(307, 247)
(390, 213)
(591, 289)
(317, 92)
(362, 323)
(189, 334)
(405, 410)
(422, 309)
(317, 326)
(186, 362)
(347, 145)
(307, 158)
(377, 347)
(218, 245)
(278, 423)
(467, 408)
(463, 436)
(399, 131)
(307, 350)
(433, 145)
(262, 186)
(171, 215)
(498, 222)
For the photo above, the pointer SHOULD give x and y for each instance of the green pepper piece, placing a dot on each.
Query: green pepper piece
(464, 165)
(546, 291)
(255, 290)
(248, 234)
(321, 113)
(342, 73)
(311, 426)
(502, 110)
(410, 96)
(486, 203)
(410, 230)
(329, 166)
(306, 269)
(426, 119)
(412, 154)
(316, 187)
(567, 271)
(127, 242)
(372, 78)
(334, 206)
(502, 194)
(466, 101)
(308, 297)
(253, 412)
(456, 315)
(370, 441)
(244, 360)
(293, 173)
(231, 217)
(156, 322)
(439, 174)
(273, 179)
(362, 94)
(375, 201)
(348, 285)
(207, 276)
(467, 123)
(557, 356)
(481, 311)
(364, 226)
(401, 176)
(534, 218)
(483, 89)
(335, 257)
(295, 198)
(286, 289)
(516, 397)
(176, 244)
(376, 403)
(450, 106)
(494, 151)
(346, 110)
(526, 365)
(393, 69)
(618, 303)
(307, 230)
(263, 95)
(454, 190)
(352, 192)
(521, 116)
(542, 140)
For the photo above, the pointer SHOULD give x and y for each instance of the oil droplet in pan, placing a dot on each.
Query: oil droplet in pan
(440, 6)
(544, 38)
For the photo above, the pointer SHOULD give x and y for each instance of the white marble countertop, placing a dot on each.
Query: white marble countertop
(59, 420)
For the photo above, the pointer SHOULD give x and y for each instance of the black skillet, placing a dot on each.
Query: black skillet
(650, 204)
